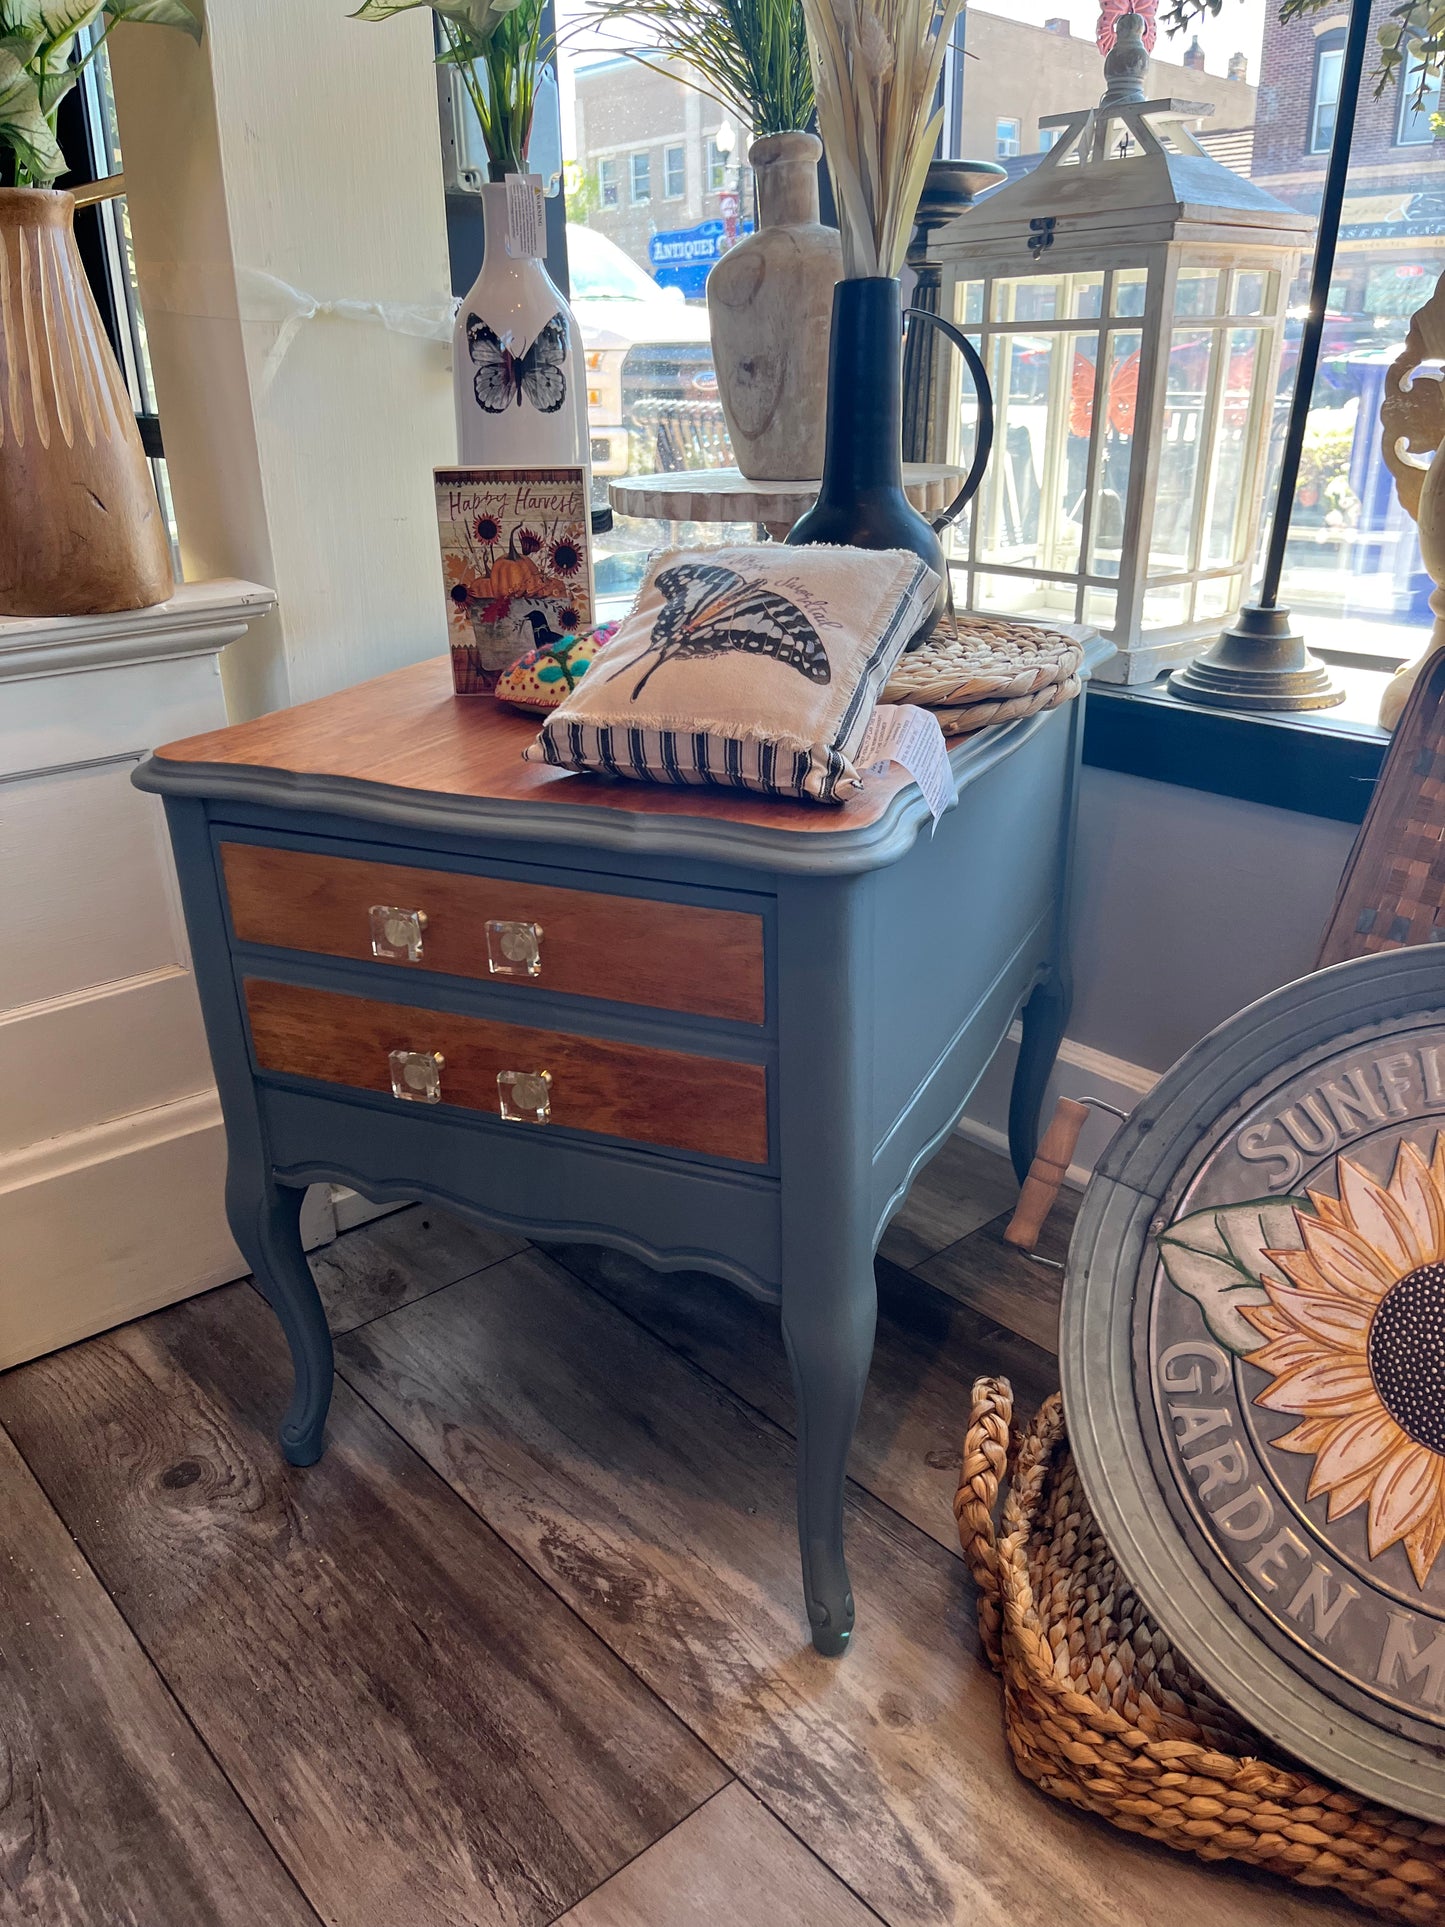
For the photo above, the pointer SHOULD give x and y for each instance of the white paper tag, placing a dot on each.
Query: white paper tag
(904, 733)
(526, 217)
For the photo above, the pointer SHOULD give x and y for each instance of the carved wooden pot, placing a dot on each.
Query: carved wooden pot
(80, 529)
(770, 307)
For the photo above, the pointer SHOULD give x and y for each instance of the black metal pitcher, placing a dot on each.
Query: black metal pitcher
(861, 503)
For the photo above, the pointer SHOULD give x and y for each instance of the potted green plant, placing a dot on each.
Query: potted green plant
(516, 351)
(770, 297)
(81, 532)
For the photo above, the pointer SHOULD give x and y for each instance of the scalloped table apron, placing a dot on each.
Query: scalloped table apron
(718, 1032)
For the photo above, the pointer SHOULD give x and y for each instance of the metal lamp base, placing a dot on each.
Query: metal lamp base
(1260, 663)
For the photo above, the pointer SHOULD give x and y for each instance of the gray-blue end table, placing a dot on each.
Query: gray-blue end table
(715, 1031)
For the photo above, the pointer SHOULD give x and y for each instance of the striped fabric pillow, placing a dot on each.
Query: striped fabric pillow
(745, 668)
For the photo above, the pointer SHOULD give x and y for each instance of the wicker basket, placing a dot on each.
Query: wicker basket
(1099, 1711)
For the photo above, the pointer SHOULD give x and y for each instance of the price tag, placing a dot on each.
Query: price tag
(526, 217)
(904, 733)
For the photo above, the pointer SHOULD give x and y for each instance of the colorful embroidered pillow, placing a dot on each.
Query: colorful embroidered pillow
(748, 668)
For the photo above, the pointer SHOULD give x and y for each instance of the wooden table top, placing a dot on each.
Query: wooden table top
(409, 731)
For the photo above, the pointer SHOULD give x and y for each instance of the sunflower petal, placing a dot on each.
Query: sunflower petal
(1326, 1207)
(1342, 1323)
(1351, 1492)
(1413, 1186)
(1358, 1443)
(1377, 1218)
(1309, 1435)
(1402, 1495)
(1348, 1262)
(1301, 1270)
(1328, 1383)
(1267, 1320)
(1285, 1354)
(1423, 1542)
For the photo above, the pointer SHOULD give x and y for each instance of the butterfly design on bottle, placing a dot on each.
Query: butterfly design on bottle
(709, 611)
(503, 378)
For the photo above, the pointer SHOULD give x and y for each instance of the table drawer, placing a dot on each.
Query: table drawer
(618, 1090)
(670, 956)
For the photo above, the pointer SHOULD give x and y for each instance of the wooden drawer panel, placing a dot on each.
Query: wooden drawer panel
(670, 956)
(618, 1090)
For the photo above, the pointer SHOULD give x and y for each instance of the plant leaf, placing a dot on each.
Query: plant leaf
(23, 126)
(156, 13)
(48, 20)
(1218, 1257)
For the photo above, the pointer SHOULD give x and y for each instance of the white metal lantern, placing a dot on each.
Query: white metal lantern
(1128, 299)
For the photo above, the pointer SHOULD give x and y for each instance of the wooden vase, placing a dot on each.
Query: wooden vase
(80, 530)
(770, 307)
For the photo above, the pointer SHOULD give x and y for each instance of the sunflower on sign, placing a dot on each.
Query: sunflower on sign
(1355, 1349)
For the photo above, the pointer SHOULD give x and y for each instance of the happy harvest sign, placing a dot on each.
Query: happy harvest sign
(516, 562)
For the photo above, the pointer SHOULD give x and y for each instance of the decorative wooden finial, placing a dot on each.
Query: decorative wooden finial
(1412, 434)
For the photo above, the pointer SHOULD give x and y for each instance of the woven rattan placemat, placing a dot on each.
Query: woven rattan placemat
(974, 659)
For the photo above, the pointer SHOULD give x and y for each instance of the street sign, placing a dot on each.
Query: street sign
(1253, 1357)
(681, 258)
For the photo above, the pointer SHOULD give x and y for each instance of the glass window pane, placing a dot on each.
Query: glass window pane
(1022, 595)
(1217, 598)
(1166, 608)
(1029, 298)
(1129, 289)
(674, 164)
(1235, 435)
(1248, 289)
(1100, 607)
(1115, 451)
(1086, 296)
(1192, 355)
(1196, 291)
(968, 303)
(1020, 374)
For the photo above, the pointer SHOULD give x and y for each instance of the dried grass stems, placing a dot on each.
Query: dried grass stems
(876, 65)
(751, 56)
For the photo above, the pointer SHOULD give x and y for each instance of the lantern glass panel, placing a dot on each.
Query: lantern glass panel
(1130, 287)
(1029, 297)
(1183, 445)
(1217, 597)
(968, 304)
(1024, 595)
(1115, 452)
(1100, 608)
(1250, 291)
(1235, 434)
(1167, 608)
(1086, 296)
(1021, 523)
(1197, 291)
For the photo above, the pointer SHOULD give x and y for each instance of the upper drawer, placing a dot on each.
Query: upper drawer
(670, 956)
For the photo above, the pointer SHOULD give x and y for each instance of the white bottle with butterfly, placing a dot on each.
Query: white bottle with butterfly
(517, 370)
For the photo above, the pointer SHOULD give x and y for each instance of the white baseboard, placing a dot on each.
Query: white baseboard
(1080, 1072)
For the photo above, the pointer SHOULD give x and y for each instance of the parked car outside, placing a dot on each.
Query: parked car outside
(651, 390)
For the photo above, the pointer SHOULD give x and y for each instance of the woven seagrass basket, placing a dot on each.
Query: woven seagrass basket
(1100, 1712)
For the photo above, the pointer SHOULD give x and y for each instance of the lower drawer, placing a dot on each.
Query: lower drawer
(686, 1103)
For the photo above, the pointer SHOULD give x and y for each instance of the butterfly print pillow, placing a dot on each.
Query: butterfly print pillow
(745, 668)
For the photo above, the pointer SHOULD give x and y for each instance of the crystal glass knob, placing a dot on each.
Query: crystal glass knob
(396, 933)
(416, 1075)
(525, 1097)
(514, 949)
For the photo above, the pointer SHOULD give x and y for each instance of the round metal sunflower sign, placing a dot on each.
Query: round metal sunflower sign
(1254, 1367)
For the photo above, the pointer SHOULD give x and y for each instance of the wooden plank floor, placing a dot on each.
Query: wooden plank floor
(527, 1644)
